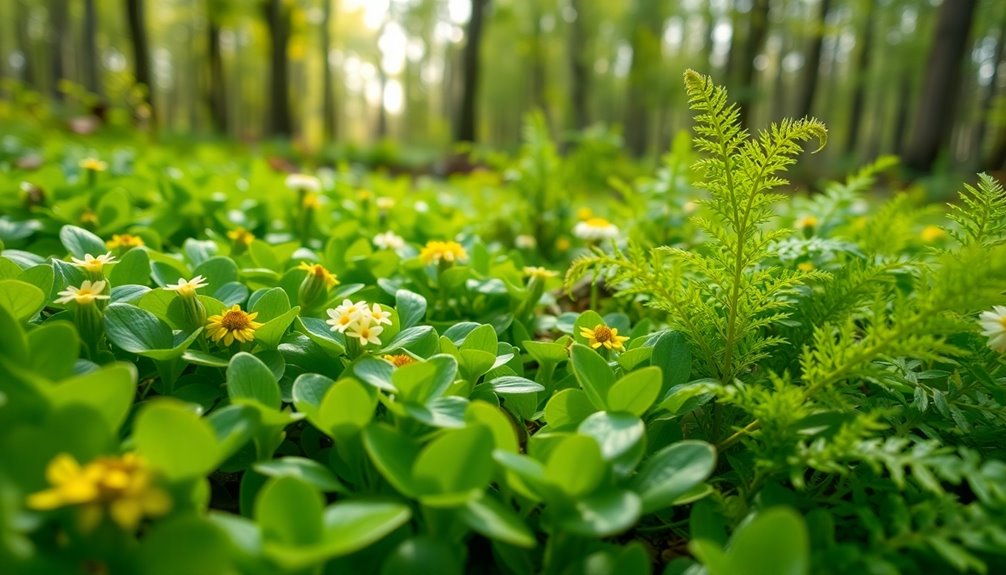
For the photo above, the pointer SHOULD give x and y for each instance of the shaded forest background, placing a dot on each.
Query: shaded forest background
(922, 79)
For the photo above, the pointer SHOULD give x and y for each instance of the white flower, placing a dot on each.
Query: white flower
(187, 288)
(422, 207)
(385, 203)
(345, 315)
(389, 241)
(994, 327)
(525, 242)
(303, 182)
(595, 229)
(85, 294)
(94, 264)
(366, 333)
(378, 315)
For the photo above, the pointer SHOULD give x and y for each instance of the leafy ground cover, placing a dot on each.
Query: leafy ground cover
(210, 366)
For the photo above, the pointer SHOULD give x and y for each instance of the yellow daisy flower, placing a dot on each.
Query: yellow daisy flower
(435, 252)
(805, 266)
(932, 233)
(398, 359)
(233, 324)
(538, 272)
(93, 165)
(241, 236)
(94, 264)
(87, 293)
(318, 271)
(124, 241)
(121, 486)
(604, 335)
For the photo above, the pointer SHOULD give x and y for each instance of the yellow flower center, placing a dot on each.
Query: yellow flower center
(400, 359)
(1002, 321)
(598, 223)
(602, 333)
(235, 320)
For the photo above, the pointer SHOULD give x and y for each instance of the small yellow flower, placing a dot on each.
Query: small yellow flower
(233, 324)
(93, 165)
(690, 207)
(311, 201)
(540, 273)
(805, 266)
(94, 264)
(584, 214)
(435, 252)
(124, 241)
(318, 271)
(88, 218)
(363, 195)
(365, 332)
(187, 288)
(398, 359)
(385, 203)
(806, 222)
(87, 293)
(595, 229)
(932, 233)
(241, 236)
(563, 244)
(604, 335)
(121, 486)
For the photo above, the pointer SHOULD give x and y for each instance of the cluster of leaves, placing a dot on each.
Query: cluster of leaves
(752, 400)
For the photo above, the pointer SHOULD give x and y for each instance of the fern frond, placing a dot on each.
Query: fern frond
(981, 216)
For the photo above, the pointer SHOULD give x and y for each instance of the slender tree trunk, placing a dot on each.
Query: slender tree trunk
(753, 45)
(327, 89)
(989, 97)
(278, 22)
(579, 72)
(934, 116)
(466, 129)
(538, 72)
(57, 37)
(861, 72)
(648, 23)
(24, 45)
(141, 48)
(218, 81)
(382, 112)
(733, 52)
(812, 63)
(901, 114)
(91, 63)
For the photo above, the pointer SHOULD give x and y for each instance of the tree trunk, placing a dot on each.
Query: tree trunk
(648, 26)
(934, 116)
(579, 72)
(465, 131)
(859, 88)
(812, 63)
(278, 23)
(327, 89)
(91, 62)
(218, 82)
(753, 45)
(988, 99)
(57, 36)
(538, 81)
(141, 48)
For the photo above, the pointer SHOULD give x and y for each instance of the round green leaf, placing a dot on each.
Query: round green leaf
(175, 440)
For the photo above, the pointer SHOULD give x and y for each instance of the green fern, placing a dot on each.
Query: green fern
(981, 216)
(726, 297)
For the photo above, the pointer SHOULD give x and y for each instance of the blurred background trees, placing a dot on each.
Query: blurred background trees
(920, 78)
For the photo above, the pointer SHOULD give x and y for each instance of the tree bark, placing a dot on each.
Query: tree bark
(579, 72)
(218, 82)
(863, 60)
(327, 89)
(91, 63)
(278, 23)
(988, 99)
(57, 36)
(753, 45)
(466, 128)
(812, 72)
(538, 82)
(648, 23)
(934, 116)
(141, 48)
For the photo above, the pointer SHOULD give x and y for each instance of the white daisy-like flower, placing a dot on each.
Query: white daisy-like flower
(87, 293)
(187, 288)
(994, 327)
(303, 182)
(595, 229)
(94, 264)
(345, 315)
(525, 242)
(421, 207)
(365, 332)
(389, 241)
(378, 315)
